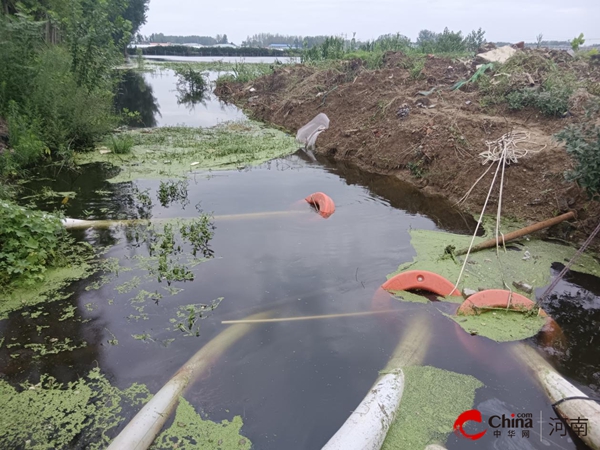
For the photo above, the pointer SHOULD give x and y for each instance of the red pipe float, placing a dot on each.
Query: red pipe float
(422, 280)
(323, 203)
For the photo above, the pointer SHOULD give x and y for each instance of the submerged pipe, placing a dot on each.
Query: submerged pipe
(78, 224)
(324, 316)
(518, 233)
(558, 389)
(147, 423)
(368, 425)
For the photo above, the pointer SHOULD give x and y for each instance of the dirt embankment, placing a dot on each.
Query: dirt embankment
(388, 121)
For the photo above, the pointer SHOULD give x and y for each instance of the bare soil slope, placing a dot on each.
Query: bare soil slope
(381, 121)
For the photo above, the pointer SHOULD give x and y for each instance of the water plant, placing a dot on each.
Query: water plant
(120, 145)
(171, 191)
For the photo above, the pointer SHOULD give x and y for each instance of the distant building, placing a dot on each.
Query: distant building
(225, 45)
(279, 46)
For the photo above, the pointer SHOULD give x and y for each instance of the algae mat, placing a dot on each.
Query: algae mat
(48, 415)
(190, 431)
(50, 289)
(432, 400)
(502, 326)
(526, 261)
(176, 151)
(83, 414)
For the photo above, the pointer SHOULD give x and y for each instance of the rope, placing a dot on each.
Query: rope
(462, 270)
(507, 147)
(563, 272)
(504, 148)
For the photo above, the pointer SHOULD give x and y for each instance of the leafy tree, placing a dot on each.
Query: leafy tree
(450, 42)
(577, 42)
(475, 39)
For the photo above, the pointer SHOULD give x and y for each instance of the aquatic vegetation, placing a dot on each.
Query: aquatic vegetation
(190, 431)
(143, 202)
(192, 87)
(526, 261)
(502, 325)
(432, 400)
(53, 346)
(120, 145)
(187, 317)
(175, 152)
(173, 191)
(50, 415)
(49, 290)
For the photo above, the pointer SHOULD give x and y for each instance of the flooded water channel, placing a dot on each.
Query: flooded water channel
(293, 383)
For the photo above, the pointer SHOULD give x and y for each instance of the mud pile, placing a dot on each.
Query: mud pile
(405, 119)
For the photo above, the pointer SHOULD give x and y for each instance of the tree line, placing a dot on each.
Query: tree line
(57, 77)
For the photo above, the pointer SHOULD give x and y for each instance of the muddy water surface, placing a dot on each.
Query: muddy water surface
(293, 383)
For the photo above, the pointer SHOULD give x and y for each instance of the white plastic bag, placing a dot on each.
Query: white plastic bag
(307, 135)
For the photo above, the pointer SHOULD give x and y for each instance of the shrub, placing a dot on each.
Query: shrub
(553, 102)
(29, 243)
(26, 146)
(583, 144)
(121, 145)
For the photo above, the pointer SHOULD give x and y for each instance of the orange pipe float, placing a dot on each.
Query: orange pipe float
(422, 280)
(323, 203)
(552, 334)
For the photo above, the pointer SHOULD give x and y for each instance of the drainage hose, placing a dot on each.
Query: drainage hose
(367, 426)
(147, 423)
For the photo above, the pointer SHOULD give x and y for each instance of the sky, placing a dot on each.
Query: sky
(508, 20)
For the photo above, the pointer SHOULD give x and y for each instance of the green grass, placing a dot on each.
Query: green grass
(120, 145)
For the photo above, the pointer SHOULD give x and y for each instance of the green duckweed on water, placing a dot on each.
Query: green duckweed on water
(190, 431)
(502, 326)
(49, 415)
(431, 402)
(55, 280)
(526, 261)
(176, 151)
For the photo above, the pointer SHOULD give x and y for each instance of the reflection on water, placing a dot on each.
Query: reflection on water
(161, 101)
(134, 94)
(294, 383)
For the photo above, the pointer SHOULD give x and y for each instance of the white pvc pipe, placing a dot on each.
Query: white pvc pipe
(73, 224)
(147, 423)
(368, 425)
(557, 388)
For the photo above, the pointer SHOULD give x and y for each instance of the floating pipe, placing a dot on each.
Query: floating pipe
(368, 425)
(518, 233)
(74, 224)
(147, 423)
(557, 388)
(324, 316)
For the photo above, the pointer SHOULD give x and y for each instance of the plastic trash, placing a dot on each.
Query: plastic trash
(308, 134)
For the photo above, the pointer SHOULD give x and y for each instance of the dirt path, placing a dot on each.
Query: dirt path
(436, 145)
